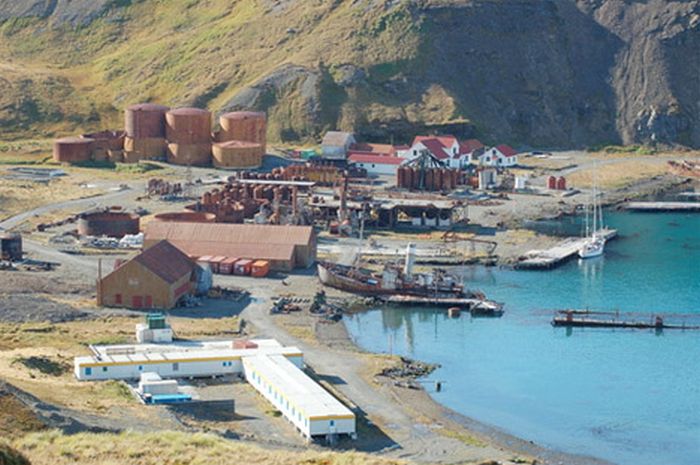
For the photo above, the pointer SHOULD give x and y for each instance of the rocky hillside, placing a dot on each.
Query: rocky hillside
(564, 73)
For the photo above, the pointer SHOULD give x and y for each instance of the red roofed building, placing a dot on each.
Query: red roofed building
(376, 164)
(501, 155)
(156, 278)
(447, 149)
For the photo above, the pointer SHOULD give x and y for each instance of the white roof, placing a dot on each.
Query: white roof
(181, 352)
(302, 392)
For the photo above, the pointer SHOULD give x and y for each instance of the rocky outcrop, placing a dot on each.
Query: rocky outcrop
(59, 12)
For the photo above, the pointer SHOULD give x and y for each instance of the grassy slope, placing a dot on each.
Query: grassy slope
(169, 448)
(203, 52)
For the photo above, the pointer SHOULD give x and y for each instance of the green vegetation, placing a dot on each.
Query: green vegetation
(169, 447)
(45, 365)
(628, 149)
(69, 80)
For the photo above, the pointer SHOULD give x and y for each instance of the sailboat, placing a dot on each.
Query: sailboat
(594, 246)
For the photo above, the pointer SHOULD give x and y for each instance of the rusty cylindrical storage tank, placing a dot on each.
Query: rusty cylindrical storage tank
(190, 154)
(145, 120)
(112, 224)
(186, 217)
(10, 246)
(552, 182)
(72, 149)
(561, 183)
(104, 141)
(147, 148)
(188, 126)
(237, 154)
(249, 126)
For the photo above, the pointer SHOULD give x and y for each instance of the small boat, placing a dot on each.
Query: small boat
(595, 242)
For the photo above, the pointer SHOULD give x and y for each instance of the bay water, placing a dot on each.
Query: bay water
(628, 396)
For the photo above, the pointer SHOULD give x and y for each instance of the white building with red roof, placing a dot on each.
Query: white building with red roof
(501, 155)
(448, 149)
(376, 164)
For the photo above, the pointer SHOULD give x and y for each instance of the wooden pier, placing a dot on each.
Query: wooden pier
(663, 206)
(555, 256)
(475, 306)
(585, 319)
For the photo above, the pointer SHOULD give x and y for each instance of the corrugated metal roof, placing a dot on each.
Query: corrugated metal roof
(337, 138)
(166, 261)
(225, 233)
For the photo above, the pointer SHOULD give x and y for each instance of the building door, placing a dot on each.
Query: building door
(137, 301)
(149, 301)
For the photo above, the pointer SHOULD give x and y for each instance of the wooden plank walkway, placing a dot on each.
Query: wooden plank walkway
(554, 256)
(663, 206)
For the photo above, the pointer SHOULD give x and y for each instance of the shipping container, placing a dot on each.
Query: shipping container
(215, 264)
(226, 267)
(260, 269)
(242, 267)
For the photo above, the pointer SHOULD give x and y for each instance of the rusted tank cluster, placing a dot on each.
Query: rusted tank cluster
(183, 136)
(320, 174)
(428, 179)
(186, 217)
(556, 183)
(237, 201)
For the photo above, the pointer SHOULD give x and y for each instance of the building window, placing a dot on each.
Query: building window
(176, 366)
(104, 368)
(88, 371)
(373, 165)
(332, 423)
(140, 367)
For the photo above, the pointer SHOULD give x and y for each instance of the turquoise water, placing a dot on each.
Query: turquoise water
(631, 397)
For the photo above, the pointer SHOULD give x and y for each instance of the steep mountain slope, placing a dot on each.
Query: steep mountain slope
(537, 72)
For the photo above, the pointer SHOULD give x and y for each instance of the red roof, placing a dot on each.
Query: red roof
(468, 146)
(375, 149)
(446, 141)
(507, 150)
(356, 157)
(436, 147)
(166, 261)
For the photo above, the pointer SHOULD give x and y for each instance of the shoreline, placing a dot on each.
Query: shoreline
(420, 404)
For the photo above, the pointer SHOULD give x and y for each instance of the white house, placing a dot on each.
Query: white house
(376, 164)
(448, 149)
(335, 145)
(502, 155)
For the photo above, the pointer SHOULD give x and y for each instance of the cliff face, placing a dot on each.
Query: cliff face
(565, 73)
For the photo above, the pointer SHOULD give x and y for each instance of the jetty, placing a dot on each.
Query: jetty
(555, 256)
(587, 319)
(663, 206)
(475, 306)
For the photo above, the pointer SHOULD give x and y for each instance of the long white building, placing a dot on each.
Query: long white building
(301, 400)
(175, 360)
(276, 372)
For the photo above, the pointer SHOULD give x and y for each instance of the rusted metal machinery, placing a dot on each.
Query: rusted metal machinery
(188, 131)
(145, 132)
(427, 173)
(72, 149)
(248, 126)
(163, 188)
(265, 203)
(237, 154)
(111, 222)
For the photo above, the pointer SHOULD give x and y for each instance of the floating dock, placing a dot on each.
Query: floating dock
(481, 307)
(586, 319)
(555, 256)
(663, 206)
